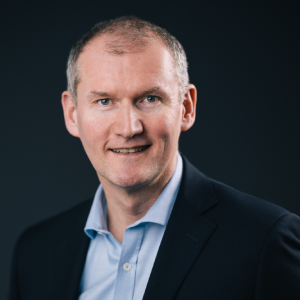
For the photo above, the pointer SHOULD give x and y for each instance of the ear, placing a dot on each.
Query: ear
(70, 113)
(189, 108)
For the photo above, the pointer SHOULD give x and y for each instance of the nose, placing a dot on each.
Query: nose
(127, 123)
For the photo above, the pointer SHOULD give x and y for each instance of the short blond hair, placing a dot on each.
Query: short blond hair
(131, 33)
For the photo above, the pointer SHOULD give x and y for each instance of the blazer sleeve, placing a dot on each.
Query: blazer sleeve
(279, 266)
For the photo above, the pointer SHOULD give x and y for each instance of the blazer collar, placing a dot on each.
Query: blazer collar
(185, 237)
(196, 188)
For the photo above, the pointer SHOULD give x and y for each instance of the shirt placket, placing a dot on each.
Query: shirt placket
(125, 281)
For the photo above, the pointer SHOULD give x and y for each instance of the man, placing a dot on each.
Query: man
(157, 228)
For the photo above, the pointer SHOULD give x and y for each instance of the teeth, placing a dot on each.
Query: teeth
(129, 150)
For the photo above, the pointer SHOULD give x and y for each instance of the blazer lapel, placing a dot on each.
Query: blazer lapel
(185, 237)
(70, 257)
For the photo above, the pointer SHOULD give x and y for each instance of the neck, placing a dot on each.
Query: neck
(125, 207)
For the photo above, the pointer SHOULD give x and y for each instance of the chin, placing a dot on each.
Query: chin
(131, 182)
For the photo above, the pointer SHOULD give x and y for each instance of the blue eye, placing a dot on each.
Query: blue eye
(104, 101)
(151, 98)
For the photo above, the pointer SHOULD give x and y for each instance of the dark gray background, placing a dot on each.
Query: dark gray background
(243, 57)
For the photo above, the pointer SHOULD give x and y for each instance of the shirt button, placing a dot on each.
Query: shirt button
(127, 267)
(99, 232)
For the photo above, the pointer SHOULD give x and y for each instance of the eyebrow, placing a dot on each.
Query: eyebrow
(99, 93)
(105, 94)
(150, 91)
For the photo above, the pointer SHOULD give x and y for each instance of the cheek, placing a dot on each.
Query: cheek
(166, 126)
(93, 131)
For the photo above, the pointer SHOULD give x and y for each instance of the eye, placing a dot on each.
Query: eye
(151, 99)
(104, 101)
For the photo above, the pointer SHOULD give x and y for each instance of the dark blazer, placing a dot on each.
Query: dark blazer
(219, 244)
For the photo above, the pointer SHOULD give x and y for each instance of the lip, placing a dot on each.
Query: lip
(130, 154)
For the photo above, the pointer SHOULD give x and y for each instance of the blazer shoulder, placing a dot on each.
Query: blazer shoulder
(59, 225)
(221, 201)
(237, 203)
(40, 247)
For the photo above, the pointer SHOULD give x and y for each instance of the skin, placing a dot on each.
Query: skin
(127, 101)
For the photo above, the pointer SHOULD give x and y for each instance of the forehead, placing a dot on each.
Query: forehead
(150, 65)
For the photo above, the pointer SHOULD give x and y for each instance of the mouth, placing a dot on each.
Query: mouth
(130, 150)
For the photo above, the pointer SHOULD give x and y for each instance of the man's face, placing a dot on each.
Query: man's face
(128, 114)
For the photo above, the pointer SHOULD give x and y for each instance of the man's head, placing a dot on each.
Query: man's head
(128, 34)
(129, 111)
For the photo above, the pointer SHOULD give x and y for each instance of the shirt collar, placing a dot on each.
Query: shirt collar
(159, 213)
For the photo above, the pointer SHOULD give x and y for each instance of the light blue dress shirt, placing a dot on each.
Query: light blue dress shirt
(115, 271)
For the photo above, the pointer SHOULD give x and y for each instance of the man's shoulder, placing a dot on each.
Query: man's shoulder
(58, 226)
(228, 203)
(236, 202)
(43, 247)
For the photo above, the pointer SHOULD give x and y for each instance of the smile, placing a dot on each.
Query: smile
(130, 150)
